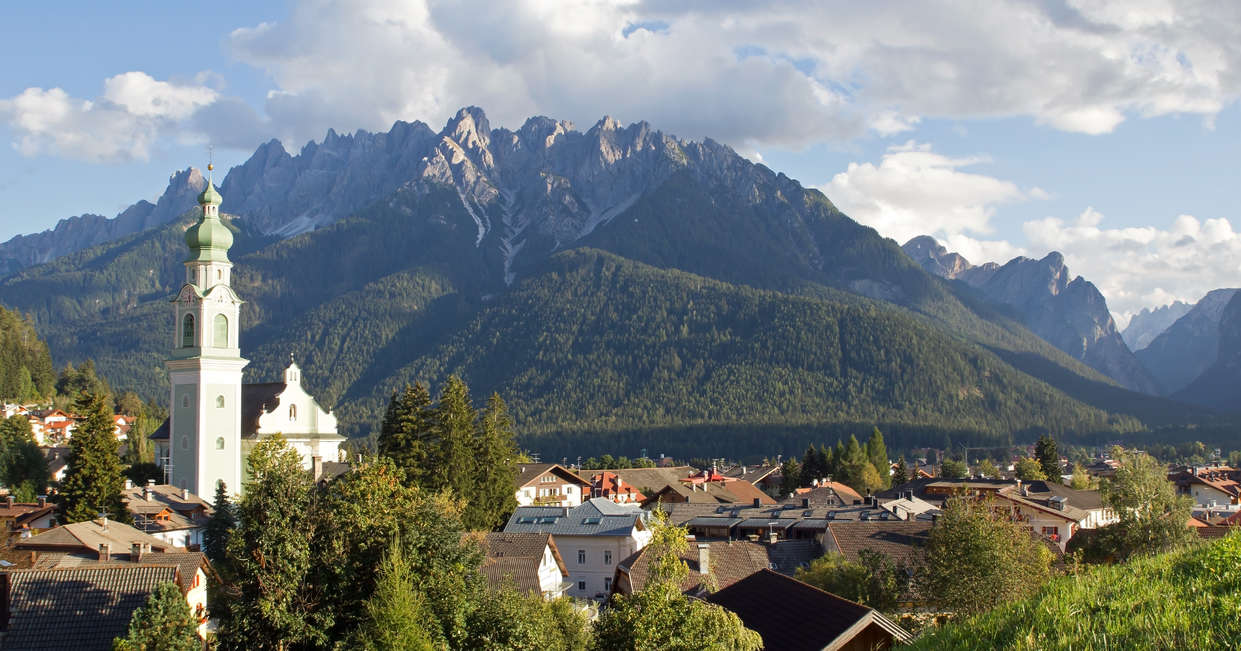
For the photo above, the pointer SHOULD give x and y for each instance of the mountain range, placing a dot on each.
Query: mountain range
(616, 284)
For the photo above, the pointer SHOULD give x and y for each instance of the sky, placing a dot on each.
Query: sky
(1107, 131)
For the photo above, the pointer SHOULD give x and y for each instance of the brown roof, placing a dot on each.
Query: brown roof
(795, 616)
(731, 492)
(528, 472)
(515, 558)
(256, 400)
(831, 492)
(21, 513)
(647, 478)
(80, 608)
(900, 541)
(187, 563)
(727, 561)
(85, 537)
(750, 473)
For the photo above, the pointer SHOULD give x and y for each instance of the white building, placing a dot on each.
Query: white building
(592, 539)
(214, 420)
(549, 484)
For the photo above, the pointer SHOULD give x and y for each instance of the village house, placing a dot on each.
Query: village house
(1209, 486)
(644, 480)
(529, 562)
(24, 519)
(712, 564)
(549, 484)
(795, 616)
(57, 462)
(765, 477)
(592, 537)
(174, 515)
(609, 485)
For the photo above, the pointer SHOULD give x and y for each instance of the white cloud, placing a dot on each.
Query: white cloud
(915, 191)
(134, 111)
(1147, 266)
(785, 74)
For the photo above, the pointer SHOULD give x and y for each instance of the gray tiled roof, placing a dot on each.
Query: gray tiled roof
(595, 517)
(187, 563)
(82, 608)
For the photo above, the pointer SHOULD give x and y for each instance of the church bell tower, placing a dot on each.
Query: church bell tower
(204, 415)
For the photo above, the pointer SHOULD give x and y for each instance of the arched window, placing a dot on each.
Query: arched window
(221, 331)
(219, 402)
(292, 412)
(219, 274)
(185, 401)
(187, 331)
(219, 443)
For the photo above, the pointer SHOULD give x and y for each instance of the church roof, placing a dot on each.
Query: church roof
(256, 400)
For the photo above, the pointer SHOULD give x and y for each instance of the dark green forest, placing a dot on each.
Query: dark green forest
(26, 371)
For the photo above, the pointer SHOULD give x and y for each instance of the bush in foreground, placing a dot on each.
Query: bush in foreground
(1187, 599)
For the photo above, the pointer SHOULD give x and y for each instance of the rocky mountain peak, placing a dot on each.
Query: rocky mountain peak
(932, 256)
(469, 127)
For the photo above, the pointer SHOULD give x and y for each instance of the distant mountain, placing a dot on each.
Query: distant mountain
(1148, 324)
(1190, 345)
(614, 280)
(1071, 314)
(77, 233)
(1219, 386)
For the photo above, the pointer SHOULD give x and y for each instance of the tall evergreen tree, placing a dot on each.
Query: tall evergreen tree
(22, 466)
(1048, 457)
(810, 465)
(829, 465)
(790, 477)
(268, 601)
(394, 617)
(408, 432)
(94, 479)
(877, 452)
(221, 524)
(901, 474)
(494, 495)
(454, 464)
(165, 623)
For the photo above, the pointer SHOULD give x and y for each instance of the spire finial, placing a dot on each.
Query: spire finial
(210, 162)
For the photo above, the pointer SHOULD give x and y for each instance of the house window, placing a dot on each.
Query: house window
(221, 331)
(219, 443)
(187, 331)
(219, 402)
(1051, 531)
(607, 557)
(547, 479)
(581, 585)
(292, 412)
(607, 585)
(581, 557)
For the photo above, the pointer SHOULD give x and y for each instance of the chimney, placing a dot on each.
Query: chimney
(757, 502)
(42, 501)
(185, 494)
(10, 499)
(805, 502)
(105, 552)
(704, 558)
(316, 467)
(150, 482)
(772, 536)
(135, 552)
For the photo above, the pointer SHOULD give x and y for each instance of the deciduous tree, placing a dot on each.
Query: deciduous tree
(1028, 469)
(22, 466)
(874, 581)
(1152, 516)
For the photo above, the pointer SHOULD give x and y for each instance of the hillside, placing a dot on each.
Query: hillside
(26, 371)
(1181, 600)
(1190, 345)
(1219, 386)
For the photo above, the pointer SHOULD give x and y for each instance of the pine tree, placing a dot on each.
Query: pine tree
(394, 617)
(453, 463)
(790, 477)
(829, 464)
(901, 475)
(93, 481)
(493, 497)
(408, 432)
(165, 623)
(268, 602)
(877, 452)
(22, 466)
(222, 522)
(810, 465)
(1048, 457)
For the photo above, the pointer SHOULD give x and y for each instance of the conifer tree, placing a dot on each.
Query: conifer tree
(901, 475)
(395, 614)
(829, 464)
(165, 623)
(1048, 457)
(267, 603)
(453, 464)
(94, 480)
(493, 497)
(22, 466)
(877, 453)
(790, 477)
(809, 465)
(222, 522)
(408, 432)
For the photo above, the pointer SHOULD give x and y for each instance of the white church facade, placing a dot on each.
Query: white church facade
(213, 418)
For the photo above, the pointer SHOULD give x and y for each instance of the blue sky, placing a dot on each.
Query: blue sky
(1003, 127)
